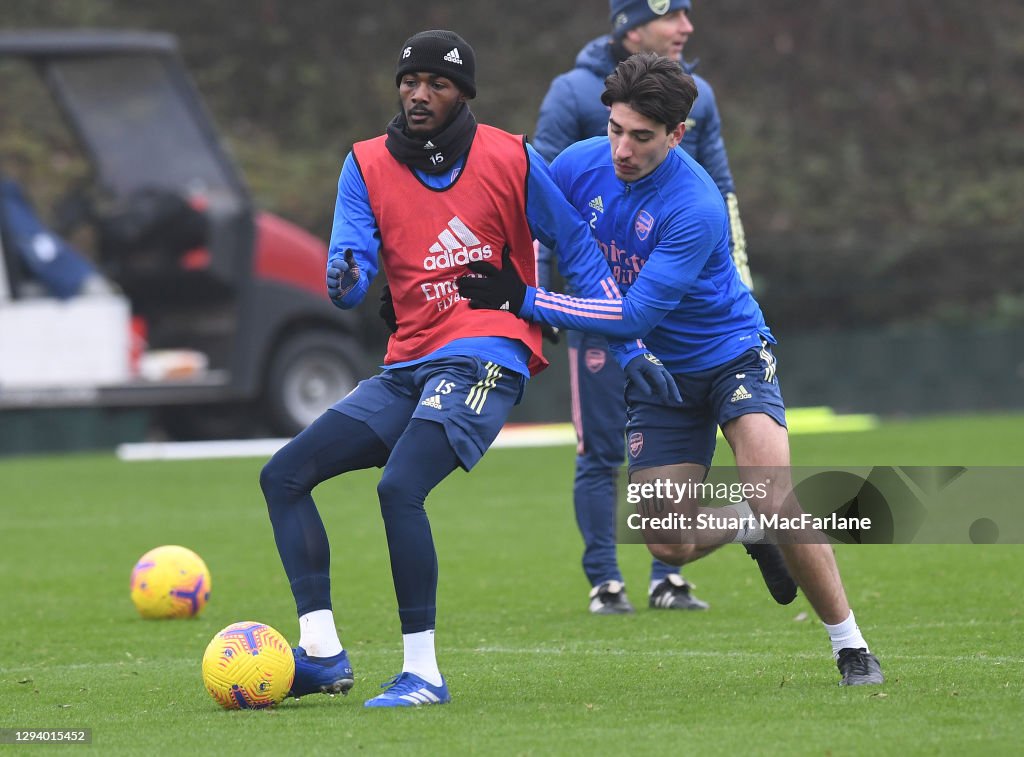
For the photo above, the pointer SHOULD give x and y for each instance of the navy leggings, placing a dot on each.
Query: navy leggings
(336, 443)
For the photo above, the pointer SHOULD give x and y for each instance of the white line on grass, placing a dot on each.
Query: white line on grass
(1002, 660)
(513, 435)
(808, 420)
(558, 651)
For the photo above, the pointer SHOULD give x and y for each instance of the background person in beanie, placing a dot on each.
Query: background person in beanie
(668, 227)
(572, 111)
(433, 194)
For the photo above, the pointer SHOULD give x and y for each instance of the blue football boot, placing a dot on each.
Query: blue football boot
(321, 675)
(409, 690)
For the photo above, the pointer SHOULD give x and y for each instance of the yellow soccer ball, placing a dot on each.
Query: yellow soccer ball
(248, 666)
(170, 582)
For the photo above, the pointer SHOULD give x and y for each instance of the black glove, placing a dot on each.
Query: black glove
(653, 379)
(387, 309)
(550, 333)
(342, 276)
(493, 289)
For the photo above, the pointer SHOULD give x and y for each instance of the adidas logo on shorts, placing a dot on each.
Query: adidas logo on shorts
(741, 393)
(434, 402)
(452, 56)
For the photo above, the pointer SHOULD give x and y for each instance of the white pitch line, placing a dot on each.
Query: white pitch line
(514, 435)
(199, 450)
(557, 652)
(801, 420)
(552, 651)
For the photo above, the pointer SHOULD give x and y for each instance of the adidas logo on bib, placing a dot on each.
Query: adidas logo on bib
(456, 245)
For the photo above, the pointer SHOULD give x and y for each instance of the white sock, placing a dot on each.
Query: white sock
(419, 656)
(750, 532)
(317, 634)
(845, 635)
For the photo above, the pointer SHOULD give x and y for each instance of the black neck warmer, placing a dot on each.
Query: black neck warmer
(437, 153)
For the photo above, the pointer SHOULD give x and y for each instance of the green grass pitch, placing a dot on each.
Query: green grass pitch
(531, 672)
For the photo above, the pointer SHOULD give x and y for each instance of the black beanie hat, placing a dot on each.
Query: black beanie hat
(443, 53)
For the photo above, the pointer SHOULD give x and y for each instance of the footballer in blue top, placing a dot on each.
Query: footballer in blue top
(663, 227)
(665, 237)
(439, 404)
(572, 111)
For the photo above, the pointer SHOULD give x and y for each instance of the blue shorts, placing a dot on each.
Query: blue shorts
(658, 435)
(469, 397)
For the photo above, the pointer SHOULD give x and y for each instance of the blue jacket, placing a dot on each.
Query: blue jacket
(665, 239)
(572, 110)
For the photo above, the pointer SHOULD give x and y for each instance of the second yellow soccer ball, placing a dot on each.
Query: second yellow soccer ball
(170, 582)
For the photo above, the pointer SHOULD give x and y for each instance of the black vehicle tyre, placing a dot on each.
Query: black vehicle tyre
(307, 374)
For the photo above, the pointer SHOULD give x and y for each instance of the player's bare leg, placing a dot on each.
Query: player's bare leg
(691, 543)
(761, 448)
(675, 547)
